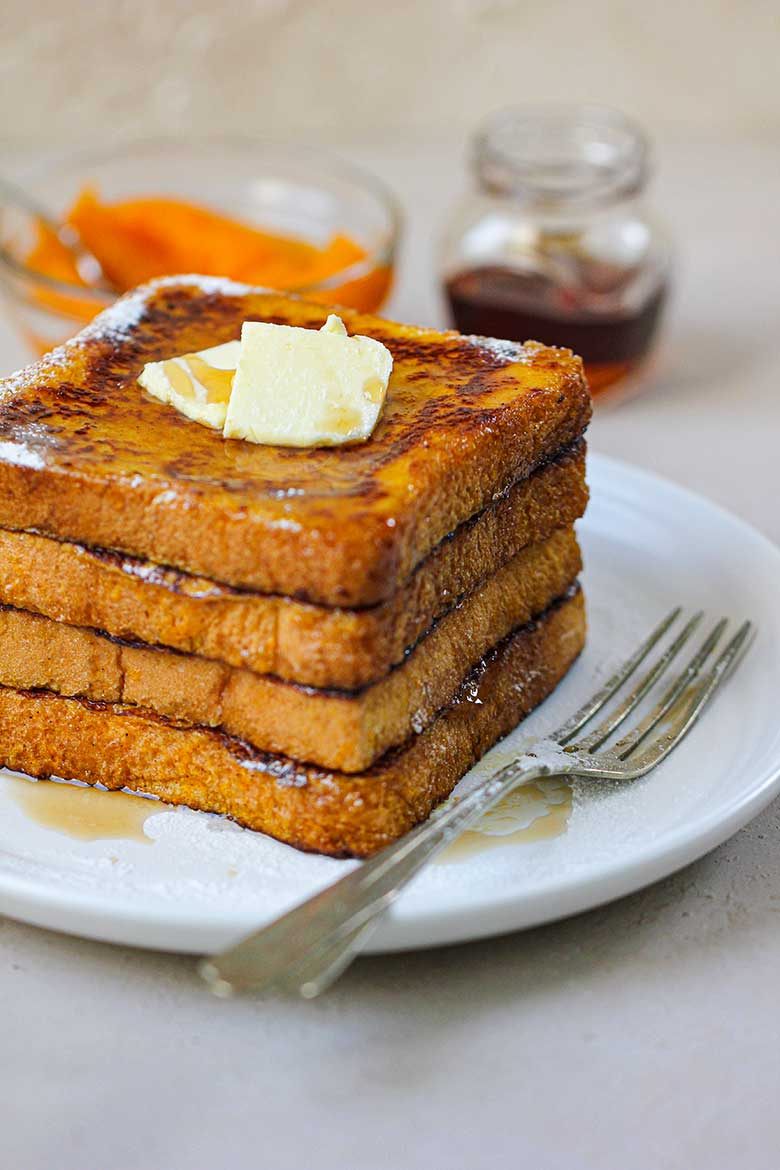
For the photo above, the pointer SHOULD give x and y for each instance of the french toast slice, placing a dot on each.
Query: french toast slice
(346, 730)
(43, 734)
(87, 456)
(139, 601)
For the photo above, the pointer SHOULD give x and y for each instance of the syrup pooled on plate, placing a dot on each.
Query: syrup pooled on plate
(87, 814)
(533, 812)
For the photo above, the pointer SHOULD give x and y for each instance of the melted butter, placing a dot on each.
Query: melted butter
(535, 812)
(340, 420)
(374, 390)
(216, 383)
(88, 814)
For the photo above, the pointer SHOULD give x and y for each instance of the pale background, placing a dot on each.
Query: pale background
(74, 71)
(642, 1036)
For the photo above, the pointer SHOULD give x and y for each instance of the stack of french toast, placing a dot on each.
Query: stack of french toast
(317, 643)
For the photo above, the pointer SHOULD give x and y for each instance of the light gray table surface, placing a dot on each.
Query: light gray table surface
(640, 1036)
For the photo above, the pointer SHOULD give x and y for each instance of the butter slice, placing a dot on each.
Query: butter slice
(299, 387)
(197, 384)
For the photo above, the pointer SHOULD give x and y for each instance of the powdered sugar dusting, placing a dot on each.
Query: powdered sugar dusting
(172, 579)
(549, 754)
(125, 314)
(510, 351)
(21, 454)
(145, 571)
(209, 285)
(118, 321)
(505, 351)
(115, 324)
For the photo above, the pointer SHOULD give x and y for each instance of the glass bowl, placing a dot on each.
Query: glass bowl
(295, 191)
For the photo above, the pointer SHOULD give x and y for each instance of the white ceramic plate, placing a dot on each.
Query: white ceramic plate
(648, 545)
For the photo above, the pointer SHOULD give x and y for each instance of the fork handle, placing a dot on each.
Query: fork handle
(307, 948)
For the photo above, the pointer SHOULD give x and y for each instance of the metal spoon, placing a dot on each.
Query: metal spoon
(87, 265)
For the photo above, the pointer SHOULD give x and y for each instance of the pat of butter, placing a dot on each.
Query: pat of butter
(299, 387)
(197, 384)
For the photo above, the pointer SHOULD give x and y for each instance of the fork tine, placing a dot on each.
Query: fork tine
(645, 684)
(692, 702)
(630, 742)
(613, 684)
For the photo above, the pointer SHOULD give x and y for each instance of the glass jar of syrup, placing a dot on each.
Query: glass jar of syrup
(556, 246)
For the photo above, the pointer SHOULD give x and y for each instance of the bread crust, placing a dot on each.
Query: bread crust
(87, 456)
(320, 810)
(345, 730)
(315, 645)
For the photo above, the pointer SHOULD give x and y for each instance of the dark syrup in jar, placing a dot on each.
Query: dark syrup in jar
(494, 301)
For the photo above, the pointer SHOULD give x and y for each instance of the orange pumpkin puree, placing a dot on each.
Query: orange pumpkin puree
(135, 240)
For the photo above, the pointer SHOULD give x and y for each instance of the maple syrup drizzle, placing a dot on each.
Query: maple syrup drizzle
(218, 384)
(87, 814)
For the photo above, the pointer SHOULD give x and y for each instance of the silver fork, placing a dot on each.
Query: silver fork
(306, 950)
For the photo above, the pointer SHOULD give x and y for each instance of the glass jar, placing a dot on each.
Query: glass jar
(556, 245)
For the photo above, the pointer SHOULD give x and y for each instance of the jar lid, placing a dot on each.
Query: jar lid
(560, 156)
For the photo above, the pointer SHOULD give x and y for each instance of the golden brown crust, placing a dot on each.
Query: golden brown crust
(348, 731)
(85, 455)
(328, 812)
(318, 646)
